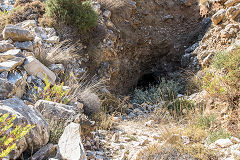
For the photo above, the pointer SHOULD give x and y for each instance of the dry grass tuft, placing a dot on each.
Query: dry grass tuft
(26, 10)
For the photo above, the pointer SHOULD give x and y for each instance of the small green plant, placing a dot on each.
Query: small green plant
(3, 13)
(164, 91)
(56, 131)
(219, 134)
(9, 134)
(54, 93)
(73, 12)
(205, 122)
(212, 84)
(180, 107)
(225, 81)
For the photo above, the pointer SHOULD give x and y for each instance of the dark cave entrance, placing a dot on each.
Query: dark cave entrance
(147, 80)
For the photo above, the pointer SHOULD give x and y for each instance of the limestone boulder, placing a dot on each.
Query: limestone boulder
(70, 145)
(17, 33)
(36, 68)
(38, 136)
(218, 17)
(56, 112)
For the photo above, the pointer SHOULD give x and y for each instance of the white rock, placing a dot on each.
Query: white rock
(224, 143)
(36, 68)
(70, 145)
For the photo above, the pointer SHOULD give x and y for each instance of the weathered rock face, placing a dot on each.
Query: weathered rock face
(70, 144)
(17, 33)
(38, 136)
(56, 112)
(142, 37)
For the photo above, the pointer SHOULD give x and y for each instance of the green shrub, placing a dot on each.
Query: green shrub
(225, 83)
(73, 12)
(164, 91)
(54, 93)
(9, 134)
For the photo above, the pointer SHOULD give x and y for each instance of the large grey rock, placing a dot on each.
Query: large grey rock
(36, 68)
(17, 33)
(70, 145)
(56, 112)
(6, 88)
(38, 136)
(10, 54)
(5, 46)
(45, 152)
(11, 64)
(24, 45)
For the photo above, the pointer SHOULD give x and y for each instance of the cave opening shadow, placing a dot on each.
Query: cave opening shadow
(147, 80)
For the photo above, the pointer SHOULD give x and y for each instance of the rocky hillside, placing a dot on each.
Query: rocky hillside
(126, 80)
